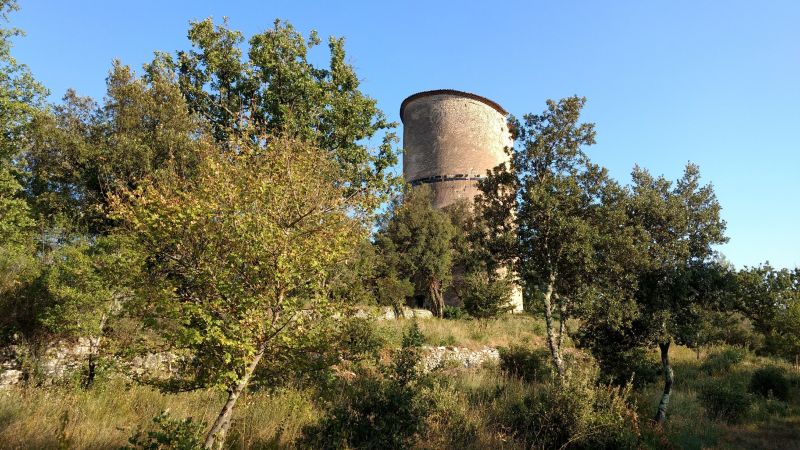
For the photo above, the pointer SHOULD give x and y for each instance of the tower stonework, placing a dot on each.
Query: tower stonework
(450, 140)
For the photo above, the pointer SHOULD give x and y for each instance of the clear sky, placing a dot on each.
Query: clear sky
(716, 83)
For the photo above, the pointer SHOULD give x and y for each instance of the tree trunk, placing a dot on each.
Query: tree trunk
(94, 344)
(437, 299)
(94, 351)
(552, 340)
(216, 436)
(661, 413)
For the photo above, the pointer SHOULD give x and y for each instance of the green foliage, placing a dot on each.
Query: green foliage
(629, 366)
(721, 362)
(486, 297)
(770, 381)
(725, 400)
(273, 88)
(360, 338)
(571, 246)
(413, 337)
(377, 410)
(82, 151)
(576, 414)
(21, 96)
(455, 313)
(525, 363)
(18, 265)
(415, 242)
(246, 236)
(169, 433)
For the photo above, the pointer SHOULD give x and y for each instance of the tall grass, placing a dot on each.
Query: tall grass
(521, 329)
(105, 417)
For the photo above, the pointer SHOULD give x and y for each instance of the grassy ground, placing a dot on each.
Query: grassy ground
(106, 415)
(518, 329)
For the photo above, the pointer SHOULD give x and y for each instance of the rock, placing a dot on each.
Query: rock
(438, 357)
(10, 378)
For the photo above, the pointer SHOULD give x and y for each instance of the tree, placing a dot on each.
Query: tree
(558, 197)
(82, 152)
(275, 89)
(486, 297)
(419, 237)
(87, 285)
(21, 98)
(243, 250)
(770, 297)
(678, 280)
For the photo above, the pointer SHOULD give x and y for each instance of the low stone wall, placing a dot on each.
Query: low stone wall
(449, 356)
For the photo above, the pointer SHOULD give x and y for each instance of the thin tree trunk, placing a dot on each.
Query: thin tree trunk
(552, 340)
(661, 413)
(216, 436)
(94, 350)
(437, 300)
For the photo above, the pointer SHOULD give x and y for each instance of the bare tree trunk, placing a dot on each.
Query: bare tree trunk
(437, 299)
(661, 413)
(552, 341)
(91, 372)
(216, 436)
(94, 350)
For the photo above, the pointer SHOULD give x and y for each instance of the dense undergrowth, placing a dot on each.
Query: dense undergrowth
(725, 398)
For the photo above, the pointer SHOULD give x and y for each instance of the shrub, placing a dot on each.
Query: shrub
(455, 313)
(576, 414)
(524, 363)
(725, 401)
(770, 381)
(170, 433)
(413, 337)
(632, 365)
(722, 362)
(360, 338)
(384, 409)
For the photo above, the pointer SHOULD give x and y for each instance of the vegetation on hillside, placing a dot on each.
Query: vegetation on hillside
(231, 209)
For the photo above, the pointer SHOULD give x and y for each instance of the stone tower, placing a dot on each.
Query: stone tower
(450, 140)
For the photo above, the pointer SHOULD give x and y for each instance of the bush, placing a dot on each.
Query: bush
(383, 409)
(575, 414)
(770, 381)
(170, 433)
(455, 313)
(524, 363)
(631, 365)
(360, 338)
(722, 362)
(725, 401)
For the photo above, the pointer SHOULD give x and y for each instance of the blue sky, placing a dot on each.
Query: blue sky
(716, 83)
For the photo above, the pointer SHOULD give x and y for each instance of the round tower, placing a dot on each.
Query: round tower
(450, 139)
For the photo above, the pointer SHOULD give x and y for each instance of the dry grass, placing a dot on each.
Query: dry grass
(520, 329)
(106, 416)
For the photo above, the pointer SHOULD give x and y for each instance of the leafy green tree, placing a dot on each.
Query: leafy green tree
(83, 152)
(275, 88)
(418, 237)
(21, 99)
(21, 96)
(87, 285)
(770, 297)
(486, 297)
(558, 198)
(678, 281)
(243, 249)
(18, 264)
